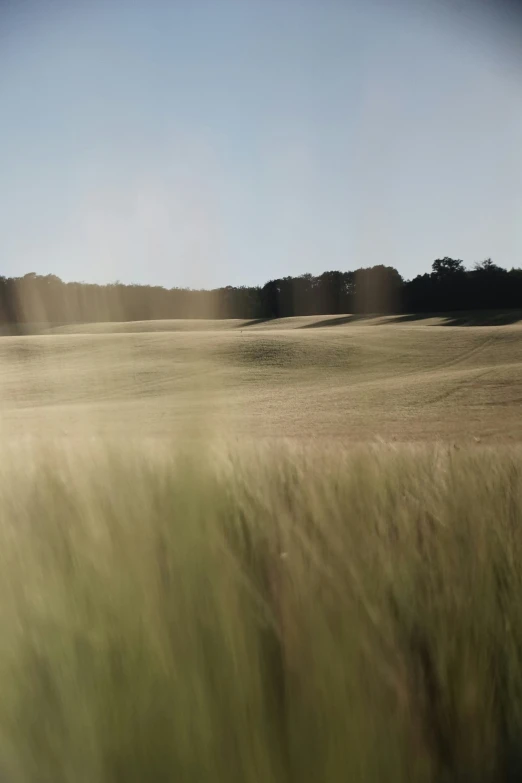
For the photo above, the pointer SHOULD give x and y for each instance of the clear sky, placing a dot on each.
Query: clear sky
(212, 142)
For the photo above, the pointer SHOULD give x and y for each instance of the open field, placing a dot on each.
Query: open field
(357, 379)
(273, 613)
(204, 578)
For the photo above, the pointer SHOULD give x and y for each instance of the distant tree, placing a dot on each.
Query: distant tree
(490, 286)
(419, 295)
(270, 299)
(487, 266)
(331, 293)
(445, 267)
(376, 289)
(303, 295)
(450, 280)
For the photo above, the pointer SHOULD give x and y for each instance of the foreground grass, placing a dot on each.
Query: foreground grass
(258, 616)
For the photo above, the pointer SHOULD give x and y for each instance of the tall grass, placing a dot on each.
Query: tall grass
(256, 615)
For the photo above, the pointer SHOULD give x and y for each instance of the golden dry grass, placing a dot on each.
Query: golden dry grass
(293, 609)
(273, 613)
(358, 380)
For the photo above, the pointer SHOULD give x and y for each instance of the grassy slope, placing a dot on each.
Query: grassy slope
(275, 613)
(406, 380)
(268, 615)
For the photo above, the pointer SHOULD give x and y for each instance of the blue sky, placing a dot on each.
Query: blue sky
(211, 142)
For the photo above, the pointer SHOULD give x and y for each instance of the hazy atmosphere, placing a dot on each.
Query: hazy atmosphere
(210, 143)
(260, 391)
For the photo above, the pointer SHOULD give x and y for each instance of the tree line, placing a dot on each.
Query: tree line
(378, 289)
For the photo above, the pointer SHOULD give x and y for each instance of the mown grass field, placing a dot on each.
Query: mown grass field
(281, 551)
(389, 378)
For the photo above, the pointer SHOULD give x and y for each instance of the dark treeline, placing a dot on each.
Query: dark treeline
(379, 289)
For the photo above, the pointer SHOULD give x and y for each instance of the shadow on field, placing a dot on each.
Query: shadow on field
(341, 321)
(254, 322)
(463, 318)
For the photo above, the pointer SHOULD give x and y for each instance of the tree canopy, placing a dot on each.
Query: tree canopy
(378, 289)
